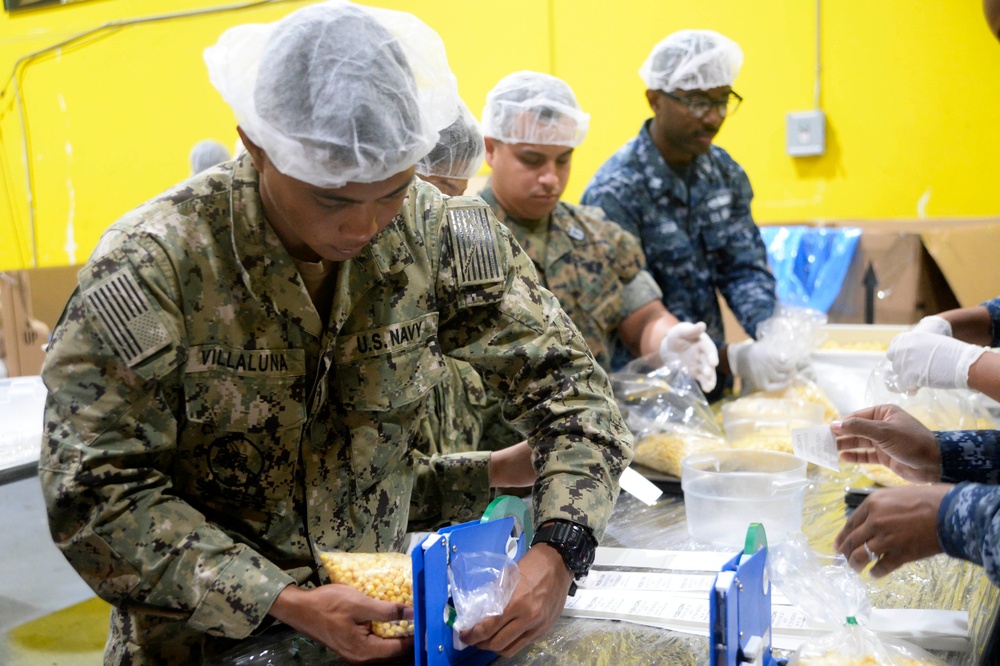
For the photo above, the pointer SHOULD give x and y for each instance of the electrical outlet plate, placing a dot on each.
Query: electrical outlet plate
(806, 133)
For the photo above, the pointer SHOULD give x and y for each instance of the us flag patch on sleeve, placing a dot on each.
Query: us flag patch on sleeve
(129, 323)
(474, 245)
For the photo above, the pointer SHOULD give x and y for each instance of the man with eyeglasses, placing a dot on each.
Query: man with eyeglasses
(689, 203)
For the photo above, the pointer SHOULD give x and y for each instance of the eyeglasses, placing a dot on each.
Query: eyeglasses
(700, 105)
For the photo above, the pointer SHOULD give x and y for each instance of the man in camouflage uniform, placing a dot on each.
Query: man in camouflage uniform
(689, 202)
(532, 122)
(214, 422)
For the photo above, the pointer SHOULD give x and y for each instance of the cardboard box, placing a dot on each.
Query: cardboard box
(22, 336)
(918, 268)
(892, 279)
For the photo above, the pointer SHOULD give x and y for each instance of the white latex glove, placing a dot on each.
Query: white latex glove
(696, 350)
(761, 366)
(934, 324)
(926, 359)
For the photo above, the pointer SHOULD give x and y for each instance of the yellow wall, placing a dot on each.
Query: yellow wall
(911, 99)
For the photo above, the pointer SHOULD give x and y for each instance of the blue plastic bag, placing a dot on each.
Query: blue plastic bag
(809, 263)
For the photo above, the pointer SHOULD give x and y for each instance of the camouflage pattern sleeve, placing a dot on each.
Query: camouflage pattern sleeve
(111, 423)
(449, 489)
(993, 305)
(969, 455)
(969, 526)
(496, 315)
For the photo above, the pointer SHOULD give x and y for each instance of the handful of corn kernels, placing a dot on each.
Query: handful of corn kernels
(385, 576)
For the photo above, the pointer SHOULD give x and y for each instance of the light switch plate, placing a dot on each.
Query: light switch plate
(806, 133)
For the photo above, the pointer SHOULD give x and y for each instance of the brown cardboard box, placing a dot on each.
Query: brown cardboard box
(23, 336)
(892, 280)
(920, 267)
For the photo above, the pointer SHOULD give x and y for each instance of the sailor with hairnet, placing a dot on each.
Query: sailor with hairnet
(457, 156)
(689, 202)
(533, 123)
(235, 385)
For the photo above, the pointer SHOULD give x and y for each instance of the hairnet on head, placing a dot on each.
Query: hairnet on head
(207, 153)
(692, 60)
(532, 107)
(336, 93)
(459, 152)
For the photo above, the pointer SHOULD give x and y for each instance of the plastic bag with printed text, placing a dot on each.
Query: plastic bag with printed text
(666, 412)
(830, 592)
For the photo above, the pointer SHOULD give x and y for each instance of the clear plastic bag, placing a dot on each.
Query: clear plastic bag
(830, 592)
(482, 584)
(937, 409)
(666, 412)
(384, 576)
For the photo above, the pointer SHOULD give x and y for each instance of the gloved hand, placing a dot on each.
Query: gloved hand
(761, 365)
(926, 359)
(934, 324)
(696, 350)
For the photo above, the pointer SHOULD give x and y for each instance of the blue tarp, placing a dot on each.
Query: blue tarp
(809, 263)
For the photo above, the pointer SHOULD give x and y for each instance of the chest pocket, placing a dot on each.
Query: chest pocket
(383, 378)
(245, 390)
(245, 409)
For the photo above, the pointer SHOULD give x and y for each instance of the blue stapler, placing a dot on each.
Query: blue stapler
(504, 528)
(740, 607)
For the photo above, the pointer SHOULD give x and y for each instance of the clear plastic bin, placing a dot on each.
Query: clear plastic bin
(725, 491)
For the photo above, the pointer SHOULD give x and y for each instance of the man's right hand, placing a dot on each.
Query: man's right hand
(887, 435)
(339, 617)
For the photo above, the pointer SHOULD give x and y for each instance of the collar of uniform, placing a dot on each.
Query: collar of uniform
(566, 233)
(267, 269)
(518, 230)
(663, 179)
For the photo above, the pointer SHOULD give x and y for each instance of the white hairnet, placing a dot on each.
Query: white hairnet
(692, 60)
(459, 152)
(207, 153)
(532, 107)
(337, 93)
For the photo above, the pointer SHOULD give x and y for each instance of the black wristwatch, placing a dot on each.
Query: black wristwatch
(573, 541)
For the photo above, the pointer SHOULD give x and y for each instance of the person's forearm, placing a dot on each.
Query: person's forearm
(984, 375)
(972, 325)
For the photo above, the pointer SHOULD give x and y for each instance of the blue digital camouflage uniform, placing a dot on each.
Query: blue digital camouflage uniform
(993, 306)
(206, 437)
(969, 518)
(697, 232)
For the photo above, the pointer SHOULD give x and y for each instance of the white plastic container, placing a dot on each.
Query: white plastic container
(842, 371)
(725, 491)
(22, 407)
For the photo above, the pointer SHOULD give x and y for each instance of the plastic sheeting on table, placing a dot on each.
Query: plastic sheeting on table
(939, 582)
